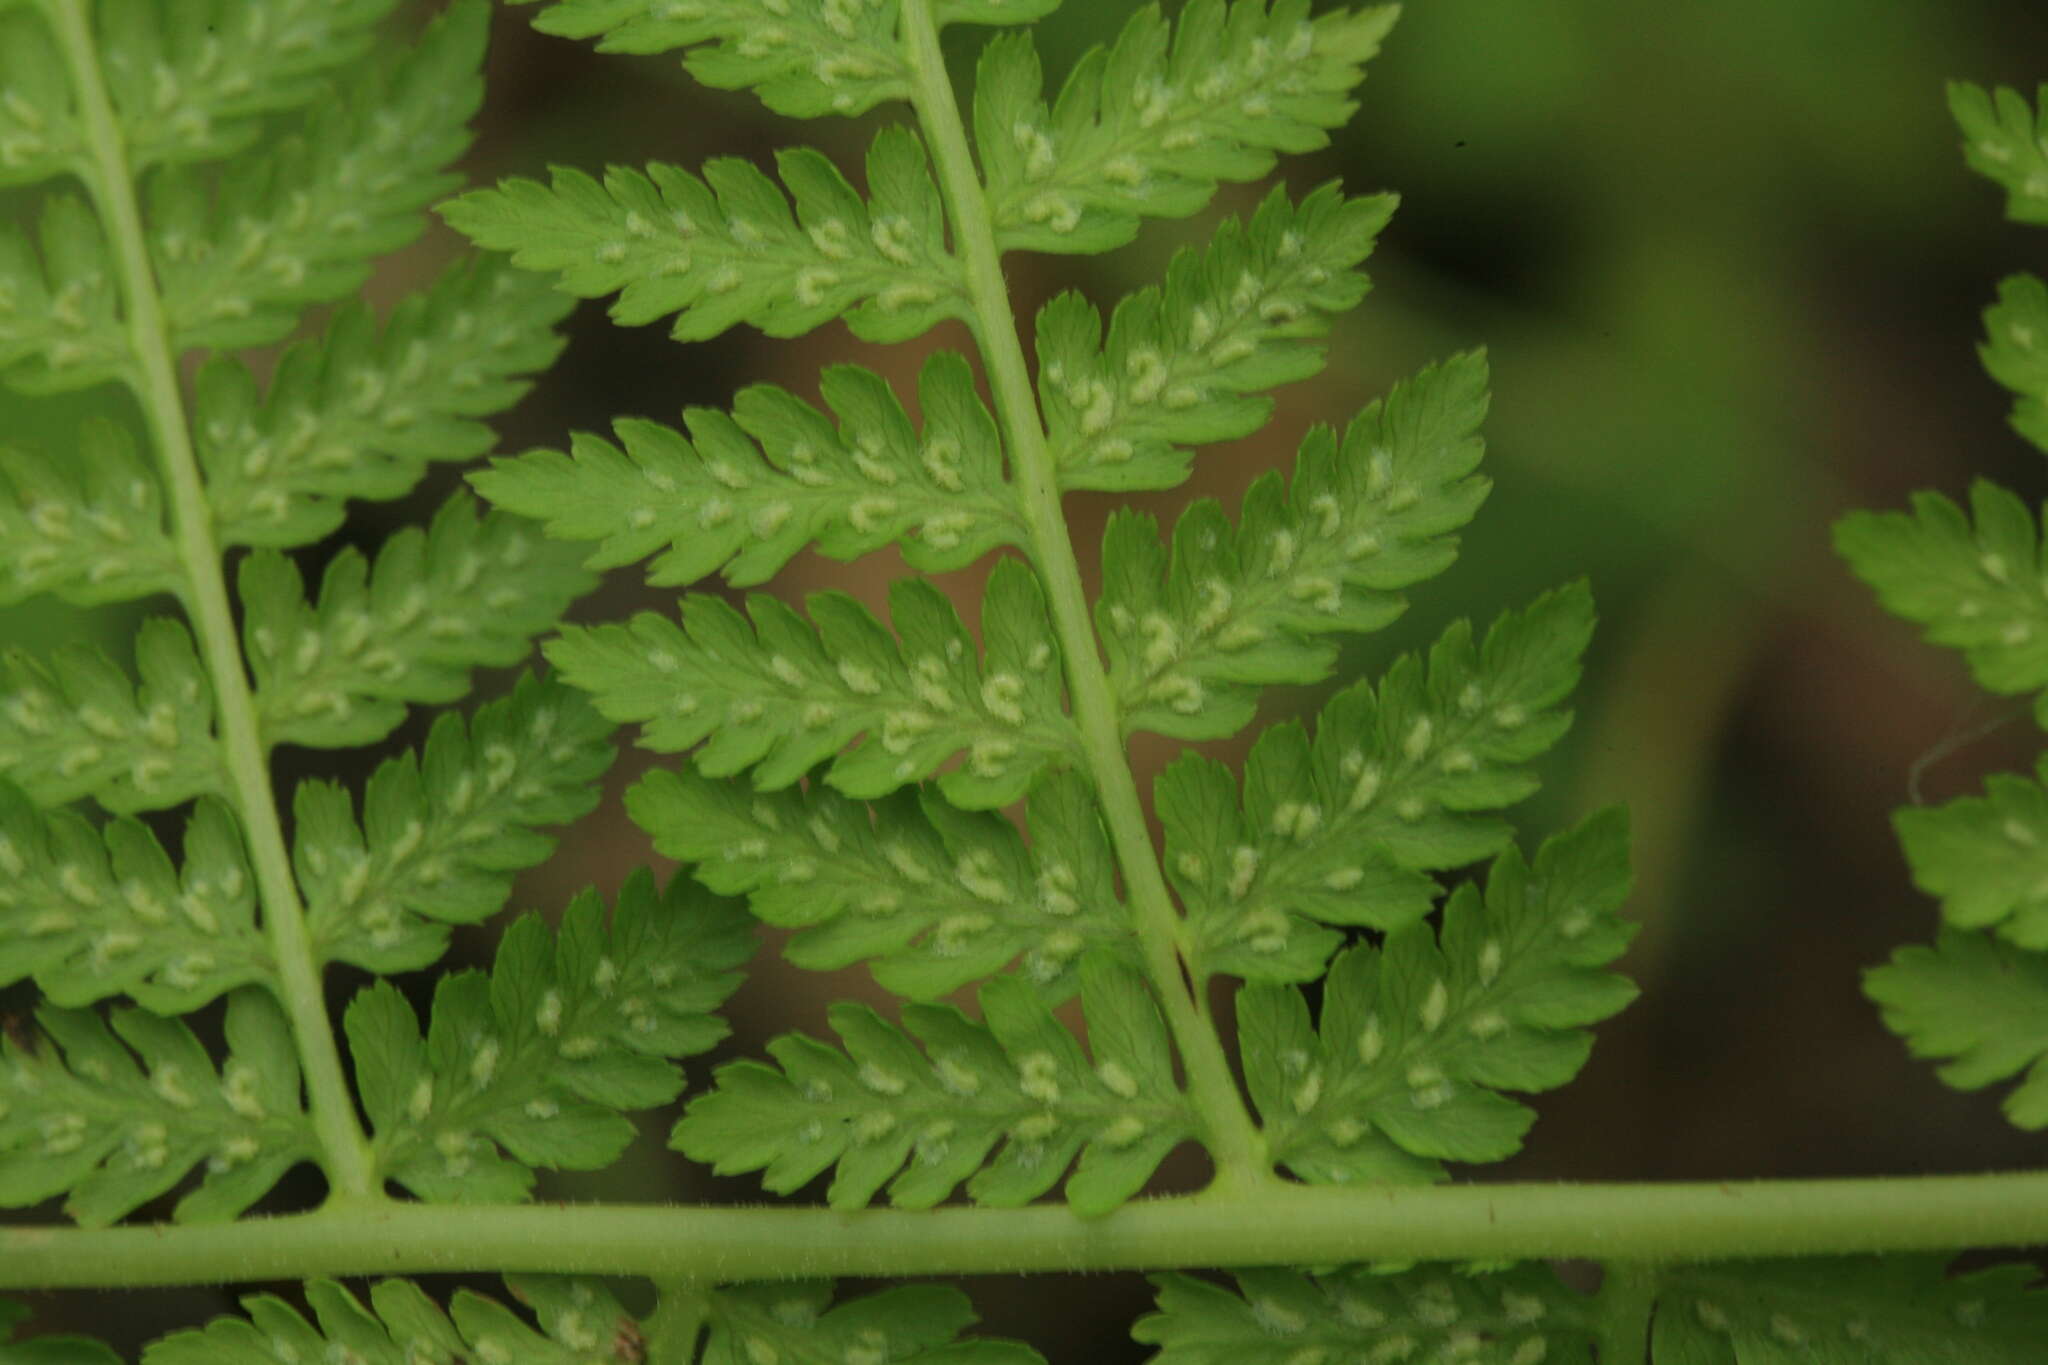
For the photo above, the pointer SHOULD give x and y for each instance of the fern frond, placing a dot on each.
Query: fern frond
(2015, 350)
(1191, 638)
(804, 58)
(190, 78)
(580, 1323)
(463, 593)
(1398, 782)
(1520, 1316)
(1149, 126)
(88, 527)
(1889, 1310)
(360, 413)
(924, 1121)
(729, 503)
(39, 132)
(1417, 1037)
(114, 1119)
(1180, 362)
(786, 695)
(442, 833)
(79, 726)
(1978, 1004)
(48, 1348)
(91, 913)
(1984, 857)
(2007, 143)
(240, 255)
(1976, 589)
(915, 1324)
(938, 897)
(537, 1058)
(60, 327)
(725, 249)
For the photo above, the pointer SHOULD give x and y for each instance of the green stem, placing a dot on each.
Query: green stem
(1628, 1293)
(1232, 1138)
(154, 379)
(1281, 1225)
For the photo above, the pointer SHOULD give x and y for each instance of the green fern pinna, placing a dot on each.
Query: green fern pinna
(1297, 980)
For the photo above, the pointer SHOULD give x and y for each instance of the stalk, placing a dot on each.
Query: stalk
(1282, 1224)
(351, 1172)
(1232, 1137)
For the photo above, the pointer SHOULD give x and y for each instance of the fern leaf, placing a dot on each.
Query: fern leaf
(88, 528)
(1191, 638)
(1978, 1005)
(1236, 317)
(938, 897)
(915, 1323)
(579, 1322)
(463, 593)
(442, 834)
(785, 695)
(2015, 351)
(1149, 126)
(60, 328)
(925, 1121)
(360, 413)
(240, 255)
(79, 727)
(539, 1057)
(1398, 782)
(804, 58)
(39, 132)
(114, 1119)
(1973, 589)
(729, 503)
(1282, 1317)
(1983, 856)
(1893, 1310)
(726, 249)
(190, 79)
(96, 912)
(2007, 143)
(1417, 1037)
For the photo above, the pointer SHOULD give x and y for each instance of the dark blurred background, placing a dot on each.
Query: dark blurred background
(1729, 268)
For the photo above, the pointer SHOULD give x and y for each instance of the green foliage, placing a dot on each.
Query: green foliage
(1887, 1311)
(361, 411)
(954, 807)
(728, 503)
(442, 832)
(1192, 636)
(1344, 828)
(1973, 588)
(1977, 999)
(540, 1056)
(2004, 142)
(786, 694)
(725, 249)
(938, 896)
(238, 259)
(95, 912)
(1180, 361)
(79, 727)
(1148, 126)
(929, 1119)
(114, 1117)
(1281, 1317)
(1416, 1037)
(1978, 1003)
(458, 594)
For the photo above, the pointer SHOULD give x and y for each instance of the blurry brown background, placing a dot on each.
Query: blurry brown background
(1728, 265)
